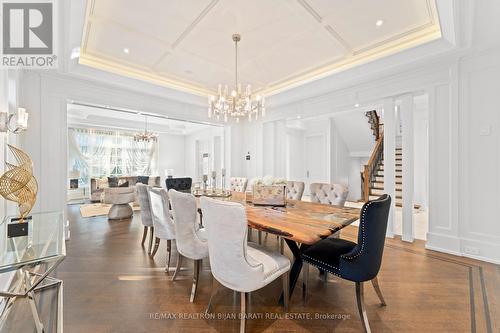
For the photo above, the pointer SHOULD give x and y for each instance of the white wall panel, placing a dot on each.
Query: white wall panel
(171, 155)
(480, 152)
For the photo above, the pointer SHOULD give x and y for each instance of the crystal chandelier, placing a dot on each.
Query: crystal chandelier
(237, 104)
(145, 136)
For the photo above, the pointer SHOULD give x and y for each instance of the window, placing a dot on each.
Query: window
(97, 153)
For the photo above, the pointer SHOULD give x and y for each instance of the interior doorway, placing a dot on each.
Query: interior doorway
(315, 160)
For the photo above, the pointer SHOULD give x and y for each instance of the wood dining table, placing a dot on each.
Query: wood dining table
(299, 223)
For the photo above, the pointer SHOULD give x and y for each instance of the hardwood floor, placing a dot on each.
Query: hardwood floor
(112, 285)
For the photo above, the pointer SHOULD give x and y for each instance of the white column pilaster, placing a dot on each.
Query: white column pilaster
(406, 113)
(280, 149)
(390, 159)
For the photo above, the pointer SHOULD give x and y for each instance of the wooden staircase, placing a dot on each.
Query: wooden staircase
(377, 185)
(371, 168)
(372, 177)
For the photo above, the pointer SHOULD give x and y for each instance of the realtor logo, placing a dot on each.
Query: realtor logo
(28, 34)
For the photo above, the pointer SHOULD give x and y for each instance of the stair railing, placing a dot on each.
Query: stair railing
(374, 121)
(368, 174)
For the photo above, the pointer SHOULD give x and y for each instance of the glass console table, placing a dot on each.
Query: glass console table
(28, 261)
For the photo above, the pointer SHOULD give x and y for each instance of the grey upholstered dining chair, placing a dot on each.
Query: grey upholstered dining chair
(162, 221)
(330, 194)
(191, 240)
(294, 190)
(146, 216)
(238, 265)
(238, 184)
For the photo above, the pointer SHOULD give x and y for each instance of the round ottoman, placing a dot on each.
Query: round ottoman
(120, 199)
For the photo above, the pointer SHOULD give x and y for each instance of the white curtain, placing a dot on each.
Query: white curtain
(98, 153)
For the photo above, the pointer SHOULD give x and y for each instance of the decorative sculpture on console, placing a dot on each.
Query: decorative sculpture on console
(18, 183)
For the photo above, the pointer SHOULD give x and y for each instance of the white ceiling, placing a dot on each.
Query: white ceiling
(187, 44)
(101, 117)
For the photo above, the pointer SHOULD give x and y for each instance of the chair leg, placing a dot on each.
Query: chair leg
(286, 290)
(155, 249)
(249, 234)
(196, 276)
(178, 266)
(281, 245)
(325, 276)
(201, 218)
(378, 291)
(305, 281)
(215, 288)
(169, 254)
(151, 235)
(243, 312)
(259, 233)
(361, 307)
(144, 235)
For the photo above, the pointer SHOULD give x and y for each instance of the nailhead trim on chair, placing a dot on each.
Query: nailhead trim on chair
(363, 216)
(321, 263)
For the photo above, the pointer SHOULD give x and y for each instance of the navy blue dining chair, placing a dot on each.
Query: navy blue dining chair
(182, 184)
(358, 262)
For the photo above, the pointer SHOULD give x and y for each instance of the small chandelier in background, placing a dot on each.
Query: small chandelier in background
(145, 136)
(237, 104)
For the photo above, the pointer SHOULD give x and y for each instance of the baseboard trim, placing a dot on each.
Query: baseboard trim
(408, 239)
(456, 246)
(481, 258)
(443, 250)
(443, 243)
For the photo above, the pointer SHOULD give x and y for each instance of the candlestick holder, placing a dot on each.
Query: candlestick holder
(205, 179)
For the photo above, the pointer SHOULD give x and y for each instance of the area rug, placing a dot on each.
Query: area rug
(99, 209)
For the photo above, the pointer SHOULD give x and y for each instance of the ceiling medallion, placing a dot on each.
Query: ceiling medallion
(237, 104)
(145, 136)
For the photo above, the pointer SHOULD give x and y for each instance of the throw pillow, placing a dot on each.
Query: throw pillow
(143, 179)
(113, 181)
(124, 184)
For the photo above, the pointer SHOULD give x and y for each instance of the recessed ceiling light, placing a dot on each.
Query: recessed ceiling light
(379, 23)
(126, 51)
(298, 117)
(356, 105)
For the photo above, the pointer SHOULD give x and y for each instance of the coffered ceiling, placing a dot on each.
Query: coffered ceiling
(186, 44)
